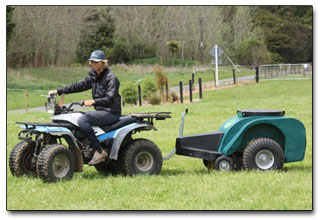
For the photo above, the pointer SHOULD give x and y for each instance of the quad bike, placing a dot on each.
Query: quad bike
(54, 151)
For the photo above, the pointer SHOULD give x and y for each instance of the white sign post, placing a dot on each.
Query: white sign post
(217, 64)
(216, 51)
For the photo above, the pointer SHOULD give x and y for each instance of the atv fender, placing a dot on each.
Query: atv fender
(70, 139)
(59, 131)
(121, 134)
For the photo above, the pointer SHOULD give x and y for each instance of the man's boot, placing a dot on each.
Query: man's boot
(98, 157)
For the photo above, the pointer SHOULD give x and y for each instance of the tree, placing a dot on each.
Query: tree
(10, 24)
(287, 31)
(97, 33)
(45, 35)
(173, 47)
(254, 53)
(120, 52)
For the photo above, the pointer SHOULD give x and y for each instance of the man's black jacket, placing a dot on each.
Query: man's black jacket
(105, 90)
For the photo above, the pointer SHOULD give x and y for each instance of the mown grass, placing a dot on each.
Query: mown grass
(184, 183)
(40, 80)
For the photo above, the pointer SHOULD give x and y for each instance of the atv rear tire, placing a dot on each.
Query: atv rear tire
(56, 162)
(142, 156)
(21, 160)
(263, 154)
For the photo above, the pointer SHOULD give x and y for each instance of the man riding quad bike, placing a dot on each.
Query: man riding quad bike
(106, 100)
(102, 138)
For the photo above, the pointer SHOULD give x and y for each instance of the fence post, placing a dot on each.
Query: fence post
(200, 88)
(181, 92)
(257, 74)
(139, 92)
(26, 93)
(167, 92)
(234, 76)
(122, 101)
(190, 90)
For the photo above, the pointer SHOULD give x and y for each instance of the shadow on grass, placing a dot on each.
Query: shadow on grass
(297, 168)
(167, 172)
(175, 172)
(171, 172)
(99, 175)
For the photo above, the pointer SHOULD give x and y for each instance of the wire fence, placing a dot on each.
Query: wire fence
(285, 71)
(263, 72)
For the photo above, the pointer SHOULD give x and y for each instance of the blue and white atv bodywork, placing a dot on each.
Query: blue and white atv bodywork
(56, 150)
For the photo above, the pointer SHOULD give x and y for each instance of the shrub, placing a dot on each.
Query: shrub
(147, 87)
(76, 65)
(154, 99)
(162, 79)
(173, 97)
(129, 93)
(149, 51)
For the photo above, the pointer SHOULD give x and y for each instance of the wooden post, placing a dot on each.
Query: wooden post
(167, 92)
(190, 90)
(27, 106)
(200, 88)
(139, 92)
(257, 74)
(234, 76)
(181, 92)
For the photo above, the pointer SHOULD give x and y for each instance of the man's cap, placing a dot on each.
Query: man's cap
(97, 56)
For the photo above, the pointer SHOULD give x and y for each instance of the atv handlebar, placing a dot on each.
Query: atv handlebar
(54, 108)
(81, 103)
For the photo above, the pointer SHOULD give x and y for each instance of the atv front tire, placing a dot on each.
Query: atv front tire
(21, 160)
(142, 156)
(56, 162)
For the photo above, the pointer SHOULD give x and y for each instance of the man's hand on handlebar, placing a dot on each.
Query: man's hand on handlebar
(88, 103)
(53, 92)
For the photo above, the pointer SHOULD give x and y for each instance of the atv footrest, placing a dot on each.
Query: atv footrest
(199, 153)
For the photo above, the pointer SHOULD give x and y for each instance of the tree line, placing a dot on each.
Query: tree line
(40, 36)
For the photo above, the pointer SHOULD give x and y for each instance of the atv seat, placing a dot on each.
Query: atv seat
(123, 121)
(248, 113)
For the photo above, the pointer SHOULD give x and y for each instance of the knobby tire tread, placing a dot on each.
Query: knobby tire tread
(252, 148)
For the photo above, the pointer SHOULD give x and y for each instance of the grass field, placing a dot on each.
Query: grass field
(184, 183)
(39, 80)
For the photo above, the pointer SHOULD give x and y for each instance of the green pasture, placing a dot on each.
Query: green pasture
(184, 183)
(38, 81)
